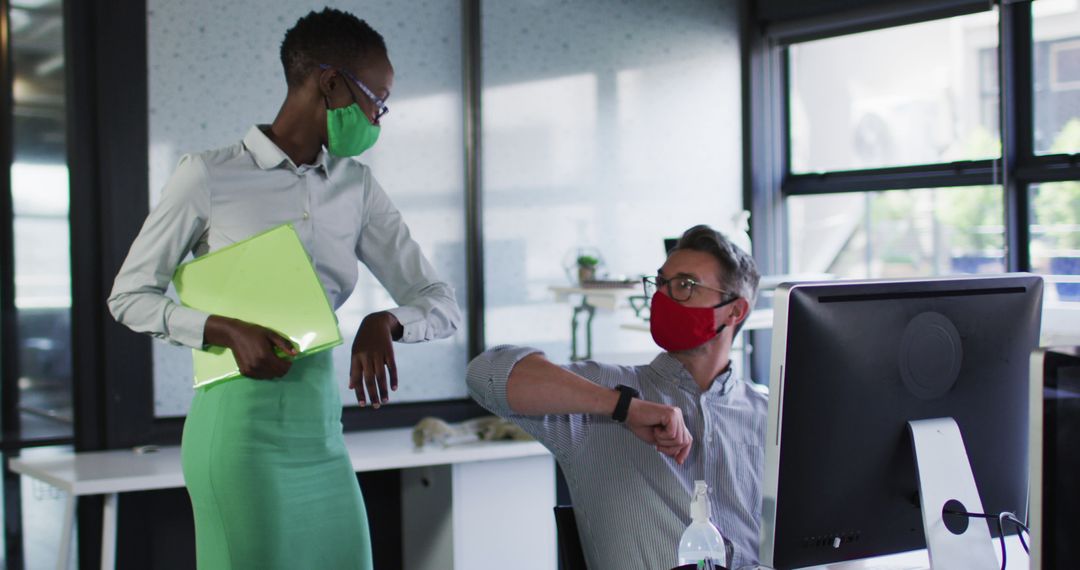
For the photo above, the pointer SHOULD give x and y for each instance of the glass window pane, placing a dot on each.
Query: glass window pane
(608, 126)
(418, 159)
(917, 94)
(39, 186)
(1057, 76)
(898, 233)
(1055, 239)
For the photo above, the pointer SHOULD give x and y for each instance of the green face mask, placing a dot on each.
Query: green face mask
(349, 131)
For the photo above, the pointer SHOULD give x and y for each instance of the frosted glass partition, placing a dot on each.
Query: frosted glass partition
(607, 125)
(215, 71)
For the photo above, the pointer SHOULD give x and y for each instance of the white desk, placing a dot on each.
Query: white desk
(468, 484)
(601, 297)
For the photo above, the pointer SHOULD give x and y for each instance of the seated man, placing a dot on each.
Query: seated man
(632, 500)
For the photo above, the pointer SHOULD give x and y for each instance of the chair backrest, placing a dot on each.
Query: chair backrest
(571, 557)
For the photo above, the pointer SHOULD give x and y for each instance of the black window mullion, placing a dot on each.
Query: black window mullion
(105, 50)
(767, 135)
(472, 84)
(1048, 168)
(9, 347)
(965, 173)
(865, 18)
(1017, 118)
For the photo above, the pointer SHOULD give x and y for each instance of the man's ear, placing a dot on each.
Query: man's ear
(740, 309)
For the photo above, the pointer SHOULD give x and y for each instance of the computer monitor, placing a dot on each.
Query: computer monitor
(852, 364)
(1055, 462)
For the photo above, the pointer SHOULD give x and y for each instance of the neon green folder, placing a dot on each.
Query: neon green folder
(267, 280)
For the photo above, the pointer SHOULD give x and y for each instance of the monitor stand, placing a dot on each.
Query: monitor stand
(944, 474)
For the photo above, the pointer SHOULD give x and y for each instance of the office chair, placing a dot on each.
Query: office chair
(571, 557)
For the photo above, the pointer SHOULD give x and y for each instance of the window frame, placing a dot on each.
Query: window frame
(770, 180)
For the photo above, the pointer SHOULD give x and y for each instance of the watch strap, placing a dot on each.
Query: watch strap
(622, 407)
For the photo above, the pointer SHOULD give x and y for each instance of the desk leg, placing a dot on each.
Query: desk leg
(588, 331)
(63, 561)
(108, 533)
(590, 312)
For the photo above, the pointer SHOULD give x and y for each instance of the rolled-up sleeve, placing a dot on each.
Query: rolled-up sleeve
(427, 307)
(487, 377)
(488, 373)
(170, 232)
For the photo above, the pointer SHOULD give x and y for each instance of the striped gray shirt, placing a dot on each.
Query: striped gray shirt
(631, 502)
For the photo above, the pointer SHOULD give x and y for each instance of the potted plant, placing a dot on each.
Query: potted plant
(586, 268)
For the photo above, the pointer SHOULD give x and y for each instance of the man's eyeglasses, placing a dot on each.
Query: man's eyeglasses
(679, 288)
(380, 104)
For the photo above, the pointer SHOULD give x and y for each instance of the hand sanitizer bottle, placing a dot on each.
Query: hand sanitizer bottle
(701, 543)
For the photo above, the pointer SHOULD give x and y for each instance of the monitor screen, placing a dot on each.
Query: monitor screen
(852, 363)
(1055, 430)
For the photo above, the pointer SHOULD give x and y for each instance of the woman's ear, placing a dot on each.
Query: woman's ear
(327, 80)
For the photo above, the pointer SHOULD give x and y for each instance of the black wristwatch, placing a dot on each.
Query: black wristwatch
(623, 406)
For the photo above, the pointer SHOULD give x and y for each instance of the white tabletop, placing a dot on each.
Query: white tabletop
(601, 297)
(123, 470)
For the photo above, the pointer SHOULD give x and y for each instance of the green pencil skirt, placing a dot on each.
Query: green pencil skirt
(270, 480)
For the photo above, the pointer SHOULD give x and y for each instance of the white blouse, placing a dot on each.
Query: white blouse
(219, 197)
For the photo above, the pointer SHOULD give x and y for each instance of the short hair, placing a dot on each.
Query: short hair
(330, 37)
(740, 274)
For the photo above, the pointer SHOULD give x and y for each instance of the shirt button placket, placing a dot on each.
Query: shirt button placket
(307, 196)
(708, 421)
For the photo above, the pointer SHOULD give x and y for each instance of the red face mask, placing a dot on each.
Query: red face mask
(676, 327)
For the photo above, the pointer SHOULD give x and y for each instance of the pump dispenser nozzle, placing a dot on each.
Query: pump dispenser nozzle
(700, 508)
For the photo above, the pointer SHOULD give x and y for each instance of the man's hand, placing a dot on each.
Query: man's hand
(373, 359)
(661, 426)
(252, 346)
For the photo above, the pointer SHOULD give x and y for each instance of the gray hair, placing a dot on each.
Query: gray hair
(740, 274)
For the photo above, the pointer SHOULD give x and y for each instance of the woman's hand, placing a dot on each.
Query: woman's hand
(373, 359)
(252, 346)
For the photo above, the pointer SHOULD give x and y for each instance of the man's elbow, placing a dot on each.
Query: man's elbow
(477, 379)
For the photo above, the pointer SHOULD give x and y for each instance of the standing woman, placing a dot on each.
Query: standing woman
(264, 459)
